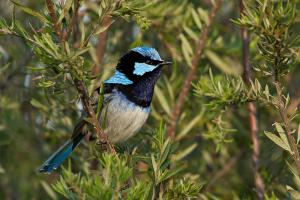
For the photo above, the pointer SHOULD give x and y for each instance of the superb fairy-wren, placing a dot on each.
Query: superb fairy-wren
(126, 105)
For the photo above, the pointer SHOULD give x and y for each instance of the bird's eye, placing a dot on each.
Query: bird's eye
(148, 62)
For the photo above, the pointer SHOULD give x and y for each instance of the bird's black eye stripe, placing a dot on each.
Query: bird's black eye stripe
(153, 62)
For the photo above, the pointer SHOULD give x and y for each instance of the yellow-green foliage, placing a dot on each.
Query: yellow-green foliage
(210, 156)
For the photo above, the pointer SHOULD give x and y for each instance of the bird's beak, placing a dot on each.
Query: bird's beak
(165, 63)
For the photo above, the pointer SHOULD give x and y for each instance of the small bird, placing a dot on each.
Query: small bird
(126, 104)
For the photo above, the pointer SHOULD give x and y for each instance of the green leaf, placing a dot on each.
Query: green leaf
(186, 45)
(292, 169)
(169, 173)
(203, 15)
(267, 92)
(220, 62)
(165, 151)
(282, 133)
(162, 100)
(101, 29)
(196, 19)
(38, 104)
(46, 83)
(257, 86)
(66, 8)
(36, 68)
(4, 68)
(191, 33)
(100, 100)
(190, 125)
(169, 88)
(67, 47)
(2, 170)
(278, 141)
(185, 152)
(80, 52)
(83, 32)
(89, 120)
(295, 194)
(186, 55)
(31, 12)
(48, 190)
(287, 100)
(154, 164)
(298, 134)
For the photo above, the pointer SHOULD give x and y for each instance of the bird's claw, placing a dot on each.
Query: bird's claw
(105, 145)
(103, 142)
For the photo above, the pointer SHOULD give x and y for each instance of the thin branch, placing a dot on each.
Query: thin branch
(86, 42)
(282, 108)
(73, 21)
(191, 74)
(54, 20)
(258, 181)
(100, 49)
(86, 101)
(286, 121)
(78, 83)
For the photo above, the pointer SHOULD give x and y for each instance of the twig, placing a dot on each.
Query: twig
(282, 108)
(73, 21)
(100, 49)
(286, 121)
(86, 42)
(258, 181)
(191, 74)
(53, 16)
(89, 109)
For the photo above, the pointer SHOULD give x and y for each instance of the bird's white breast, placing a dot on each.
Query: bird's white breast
(121, 117)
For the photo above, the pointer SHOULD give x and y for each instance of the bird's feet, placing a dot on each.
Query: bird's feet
(104, 143)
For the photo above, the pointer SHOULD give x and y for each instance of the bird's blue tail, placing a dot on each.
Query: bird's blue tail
(56, 159)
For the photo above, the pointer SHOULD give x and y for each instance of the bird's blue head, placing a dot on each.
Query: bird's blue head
(138, 64)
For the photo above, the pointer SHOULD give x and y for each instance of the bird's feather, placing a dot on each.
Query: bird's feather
(147, 52)
(119, 78)
(122, 117)
(56, 159)
(142, 68)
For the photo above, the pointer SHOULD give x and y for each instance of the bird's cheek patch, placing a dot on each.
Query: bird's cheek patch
(141, 68)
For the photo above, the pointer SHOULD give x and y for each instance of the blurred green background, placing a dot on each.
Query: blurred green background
(33, 122)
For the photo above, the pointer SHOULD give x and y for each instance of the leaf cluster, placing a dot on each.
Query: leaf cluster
(272, 21)
(114, 179)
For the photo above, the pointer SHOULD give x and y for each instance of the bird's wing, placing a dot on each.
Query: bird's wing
(81, 127)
